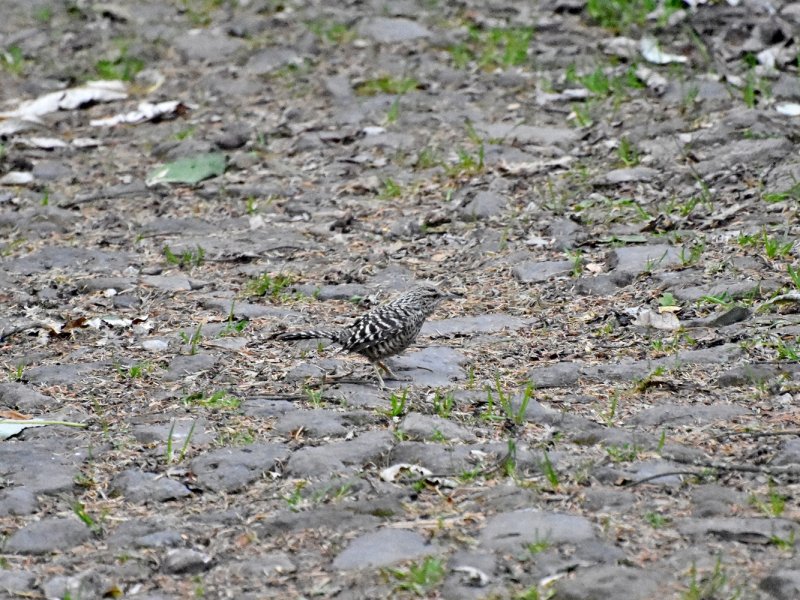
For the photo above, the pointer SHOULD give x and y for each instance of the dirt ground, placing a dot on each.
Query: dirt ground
(609, 409)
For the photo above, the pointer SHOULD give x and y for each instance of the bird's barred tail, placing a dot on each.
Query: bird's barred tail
(313, 334)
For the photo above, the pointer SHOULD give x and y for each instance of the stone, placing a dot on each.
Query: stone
(229, 469)
(484, 205)
(208, 47)
(140, 486)
(642, 259)
(83, 585)
(177, 430)
(425, 427)
(338, 457)
(747, 530)
(316, 423)
(48, 535)
(628, 175)
(674, 415)
(167, 538)
(432, 366)
(603, 582)
(382, 548)
(42, 467)
(391, 31)
(733, 288)
(264, 565)
(541, 271)
(181, 561)
(271, 59)
(167, 283)
(23, 398)
(782, 584)
(17, 501)
(17, 583)
(480, 324)
(788, 453)
(184, 365)
(563, 374)
(51, 170)
(65, 374)
(562, 137)
(513, 531)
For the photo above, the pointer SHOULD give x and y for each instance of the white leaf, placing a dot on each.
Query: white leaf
(648, 46)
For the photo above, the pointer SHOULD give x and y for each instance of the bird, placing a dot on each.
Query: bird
(384, 331)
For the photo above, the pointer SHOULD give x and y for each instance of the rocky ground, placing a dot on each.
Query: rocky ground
(608, 411)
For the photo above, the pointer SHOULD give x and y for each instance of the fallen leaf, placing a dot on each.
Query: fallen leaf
(189, 170)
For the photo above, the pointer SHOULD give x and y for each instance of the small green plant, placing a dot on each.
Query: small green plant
(509, 464)
(123, 67)
(398, 403)
(656, 520)
(704, 588)
(722, 299)
(623, 453)
(792, 193)
(80, 511)
(504, 400)
(386, 85)
(628, 155)
(419, 578)
(394, 111)
(794, 275)
(219, 400)
(787, 351)
(443, 404)
(619, 15)
(139, 370)
(169, 452)
(45, 201)
(539, 546)
(576, 257)
(549, 471)
(189, 258)
(18, 372)
(335, 33)
(775, 248)
(427, 158)
(13, 60)
(492, 48)
(667, 300)
(233, 325)
(194, 339)
(662, 441)
(43, 14)
(314, 396)
(268, 285)
(293, 499)
(694, 253)
(786, 543)
(775, 503)
(391, 189)
(611, 413)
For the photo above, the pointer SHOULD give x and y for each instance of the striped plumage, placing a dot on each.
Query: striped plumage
(384, 331)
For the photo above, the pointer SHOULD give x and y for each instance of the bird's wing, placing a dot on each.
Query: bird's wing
(374, 328)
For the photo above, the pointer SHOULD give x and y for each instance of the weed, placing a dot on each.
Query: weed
(775, 248)
(18, 372)
(784, 543)
(80, 511)
(694, 253)
(509, 465)
(139, 370)
(611, 413)
(427, 158)
(662, 440)
(386, 85)
(468, 163)
(443, 404)
(219, 400)
(517, 417)
(787, 351)
(706, 587)
(419, 578)
(314, 396)
(619, 15)
(43, 14)
(492, 48)
(792, 193)
(189, 258)
(539, 546)
(12, 60)
(667, 299)
(576, 257)
(268, 285)
(336, 33)
(233, 326)
(622, 453)
(656, 520)
(123, 67)
(293, 499)
(549, 471)
(628, 155)
(774, 505)
(398, 403)
(391, 189)
(794, 275)
(193, 340)
(394, 111)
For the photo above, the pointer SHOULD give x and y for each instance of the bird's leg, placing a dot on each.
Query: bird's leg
(378, 375)
(389, 372)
